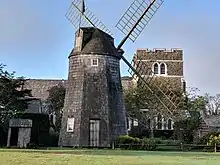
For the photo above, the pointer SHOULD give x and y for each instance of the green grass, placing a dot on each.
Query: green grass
(105, 157)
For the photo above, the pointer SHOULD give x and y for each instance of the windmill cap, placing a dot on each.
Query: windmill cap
(99, 43)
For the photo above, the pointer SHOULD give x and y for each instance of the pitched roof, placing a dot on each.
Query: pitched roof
(99, 43)
(213, 121)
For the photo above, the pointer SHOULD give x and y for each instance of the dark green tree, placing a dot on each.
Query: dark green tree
(142, 105)
(196, 102)
(56, 103)
(13, 100)
(12, 95)
(184, 129)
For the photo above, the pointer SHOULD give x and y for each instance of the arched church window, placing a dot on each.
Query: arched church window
(159, 119)
(156, 68)
(162, 69)
(169, 124)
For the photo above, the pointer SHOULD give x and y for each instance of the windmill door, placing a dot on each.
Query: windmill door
(94, 133)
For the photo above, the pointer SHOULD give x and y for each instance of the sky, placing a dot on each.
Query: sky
(36, 38)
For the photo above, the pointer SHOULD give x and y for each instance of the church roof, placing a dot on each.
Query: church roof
(99, 43)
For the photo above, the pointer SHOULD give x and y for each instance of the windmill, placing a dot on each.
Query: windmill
(83, 123)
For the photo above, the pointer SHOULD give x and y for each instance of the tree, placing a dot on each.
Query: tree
(209, 105)
(195, 103)
(142, 105)
(135, 99)
(212, 104)
(12, 100)
(56, 102)
(184, 129)
(12, 95)
(141, 98)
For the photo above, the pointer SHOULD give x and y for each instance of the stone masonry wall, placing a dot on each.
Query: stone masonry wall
(173, 60)
(173, 68)
(160, 54)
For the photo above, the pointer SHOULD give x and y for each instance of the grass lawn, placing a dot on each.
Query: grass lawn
(105, 157)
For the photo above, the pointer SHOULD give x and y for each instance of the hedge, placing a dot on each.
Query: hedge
(150, 144)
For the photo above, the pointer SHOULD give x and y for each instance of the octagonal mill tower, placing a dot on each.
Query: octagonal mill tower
(94, 112)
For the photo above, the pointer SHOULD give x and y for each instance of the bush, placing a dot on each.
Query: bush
(148, 144)
(126, 139)
(214, 139)
(128, 142)
(171, 142)
(207, 142)
(3, 137)
(205, 139)
(32, 146)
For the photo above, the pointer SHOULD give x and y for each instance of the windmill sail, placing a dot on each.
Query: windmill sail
(83, 9)
(137, 17)
(77, 8)
(132, 24)
(170, 101)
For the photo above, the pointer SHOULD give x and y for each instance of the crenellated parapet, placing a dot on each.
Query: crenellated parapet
(161, 50)
(159, 54)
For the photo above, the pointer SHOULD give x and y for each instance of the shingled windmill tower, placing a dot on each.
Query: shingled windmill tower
(94, 112)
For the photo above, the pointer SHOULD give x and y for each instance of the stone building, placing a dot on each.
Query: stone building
(164, 64)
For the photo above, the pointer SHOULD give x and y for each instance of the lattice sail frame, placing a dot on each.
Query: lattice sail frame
(140, 12)
(164, 100)
(132, 24)
(74, 15)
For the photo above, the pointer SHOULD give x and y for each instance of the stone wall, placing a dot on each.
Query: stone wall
(126, 82)
(160, 54)
(174, 68)
(172, 58)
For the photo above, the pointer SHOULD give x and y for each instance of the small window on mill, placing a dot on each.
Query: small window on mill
(94, 62)
(70, 124)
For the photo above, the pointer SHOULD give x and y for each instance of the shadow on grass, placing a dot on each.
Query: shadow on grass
(109, 152)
